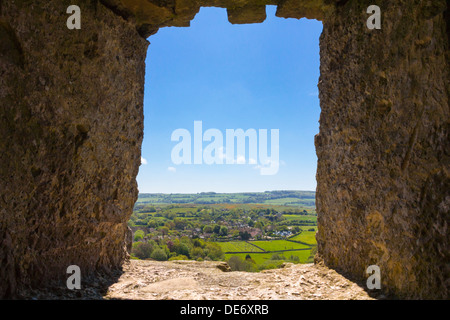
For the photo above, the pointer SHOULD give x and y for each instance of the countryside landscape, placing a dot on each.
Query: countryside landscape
(250, 231)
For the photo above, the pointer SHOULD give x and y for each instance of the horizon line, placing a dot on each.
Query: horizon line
(223, 192)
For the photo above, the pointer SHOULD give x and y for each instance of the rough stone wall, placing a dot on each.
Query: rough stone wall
(383, 148)
(71, 126)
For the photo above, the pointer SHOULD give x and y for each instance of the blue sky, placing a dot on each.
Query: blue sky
(252, 76)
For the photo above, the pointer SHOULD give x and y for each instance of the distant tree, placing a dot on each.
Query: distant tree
(244, 235)
(216, 229)
(164, 231)
(183, 249)
(185, 239)
(179, 257)
(139, 235)
(170, 245)
(142, 250)
(236, 263)
(166, 249)
(152, 224)
(197, 252)
(259, 224)
(250, 259)
(198, 243)
(277, 256)
(169, 225)
(223, 231)
(171, 215)
(140, 222)
(207, 229)
(150, 235)
(159, 255)
(214, 251)
(180, 224)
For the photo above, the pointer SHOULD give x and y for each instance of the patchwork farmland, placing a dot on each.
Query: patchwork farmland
(251, 231)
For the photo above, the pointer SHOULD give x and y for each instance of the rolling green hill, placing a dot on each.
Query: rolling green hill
(282, 197)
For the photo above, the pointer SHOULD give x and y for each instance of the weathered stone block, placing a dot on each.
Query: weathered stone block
(311, 9)
(247, 14)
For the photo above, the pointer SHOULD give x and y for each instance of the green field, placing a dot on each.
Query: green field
(261, 258)
(309, 218)
(278, 245)
(291, 201)
(308, 237)
(282, 197)
(306, 228)
(238, 246)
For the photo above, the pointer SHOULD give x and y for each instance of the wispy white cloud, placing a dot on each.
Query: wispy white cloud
(270, 167)
(240, 159)
(143, 160)
(223, 156)
(172, 169)
(221, 153)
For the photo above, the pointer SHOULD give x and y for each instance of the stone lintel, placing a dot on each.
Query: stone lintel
(247, 14)
(310, 9)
